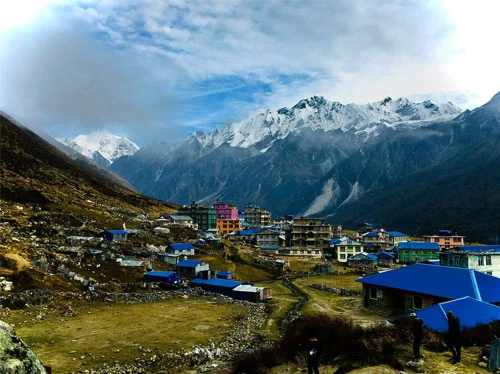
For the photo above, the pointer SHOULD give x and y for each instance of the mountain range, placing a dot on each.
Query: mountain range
(348, 163)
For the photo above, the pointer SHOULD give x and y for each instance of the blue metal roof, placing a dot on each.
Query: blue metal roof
(182, 247)
(443, 281)
(117, 232)
(188, 263)
(363, 256)
(428, 246)
(225, 273)
(385, 254)
(226, 283)
(471, 312)
(336, 241)
(480, 248)
(371, 234)
(270, 247)
(395, 233)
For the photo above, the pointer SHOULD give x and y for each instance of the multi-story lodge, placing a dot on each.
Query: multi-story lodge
(224, 211)
(227, 226)
(203, 216)
(482, 258)
(256, 217)
(308, 232)
(445, 239)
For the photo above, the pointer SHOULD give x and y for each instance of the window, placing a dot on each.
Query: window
(488, 259)
(358, 250)
(417, 302)
(457, 261)
(373, 293)
(424, 252)
(406, 259)
(407, 252)
(456, 240)
(416, 259)
(480, 260)
(342, 256)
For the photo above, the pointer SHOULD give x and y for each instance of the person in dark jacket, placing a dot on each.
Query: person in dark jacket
(313, 355)
(453, 337)
(417, 328)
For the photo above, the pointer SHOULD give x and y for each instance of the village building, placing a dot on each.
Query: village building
(308, 232)
(203, 216)
(169, 277)
(411, 252)
(193, 269)
(224, 211)
(185, 249)
(374, 242)
(363, 260)
(267, 238)
(483, 258)
(247, 236)
(256, 217)
(396, 237)
(419, 286)
(343, 248)
(167, 258)
(113, 235)
(445, 239)
(471, 312)
(227, 226)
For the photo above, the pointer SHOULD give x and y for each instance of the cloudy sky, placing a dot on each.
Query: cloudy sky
(157, 70)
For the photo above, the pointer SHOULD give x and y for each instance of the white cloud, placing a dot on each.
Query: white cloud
(126, 62)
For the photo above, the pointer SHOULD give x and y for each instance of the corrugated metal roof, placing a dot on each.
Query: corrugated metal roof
(471, 312)
(443, 281)
(188, 263)
(480, 248)
(395, 233)
(385, 254)
(429, 246)
(132, 263)
(371, 234)
(182, 247)
(247, 288)
(160, 273)
(363, 256)
(226, 283)
(117, 232)
(225, 273)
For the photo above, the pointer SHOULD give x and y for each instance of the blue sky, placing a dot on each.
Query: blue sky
(156, 70)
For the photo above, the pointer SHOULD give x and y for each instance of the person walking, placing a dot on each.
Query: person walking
(417, 328)
(313, 355)
(454, 338)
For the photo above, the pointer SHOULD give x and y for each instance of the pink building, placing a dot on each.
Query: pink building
(224, 211)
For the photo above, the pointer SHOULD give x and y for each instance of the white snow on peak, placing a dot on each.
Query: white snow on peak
(109, 146)
(265, 126)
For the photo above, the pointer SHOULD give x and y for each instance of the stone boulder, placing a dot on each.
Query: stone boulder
(15, 356)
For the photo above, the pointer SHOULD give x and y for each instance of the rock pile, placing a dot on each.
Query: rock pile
(15, 356)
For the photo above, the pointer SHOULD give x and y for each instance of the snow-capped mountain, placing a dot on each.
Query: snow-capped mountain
(265, 126)
(321, 158)
(102, 146)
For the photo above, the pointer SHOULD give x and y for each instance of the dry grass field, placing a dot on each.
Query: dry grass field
(100, 333)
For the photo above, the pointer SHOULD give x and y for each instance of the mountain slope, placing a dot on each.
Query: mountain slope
(33, 171)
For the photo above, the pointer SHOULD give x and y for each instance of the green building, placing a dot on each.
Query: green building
(203, 216)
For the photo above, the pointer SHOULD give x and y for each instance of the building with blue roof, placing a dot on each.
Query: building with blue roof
(419, 286)
(193, 268)
(375, 241)
(483, 258)
(342, 248)
(224, 275)
(411, 252)
(169, 277)
(186, 249)
(114, 235)
(362, 260)
(471, 312)
(395, 237)
(385, 259)
(221, 286)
